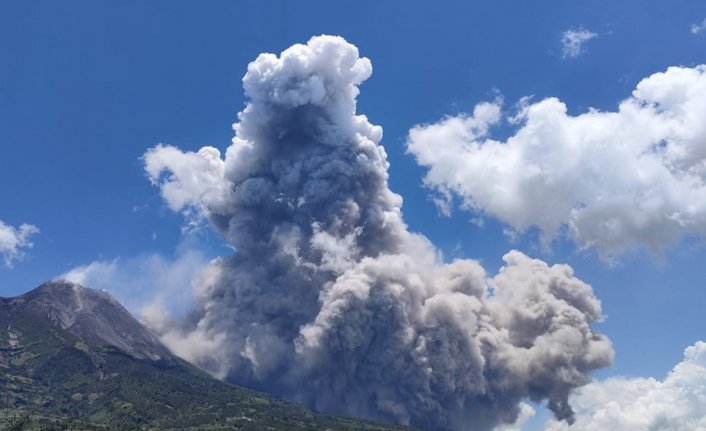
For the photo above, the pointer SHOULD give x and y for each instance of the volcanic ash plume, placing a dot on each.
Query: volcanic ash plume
(329, 299)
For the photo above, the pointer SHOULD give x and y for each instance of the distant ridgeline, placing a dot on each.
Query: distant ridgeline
(74, 358)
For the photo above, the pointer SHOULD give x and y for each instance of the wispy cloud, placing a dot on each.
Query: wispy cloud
(698, 27)
(14, 240)
(573, 42)
(152, 286)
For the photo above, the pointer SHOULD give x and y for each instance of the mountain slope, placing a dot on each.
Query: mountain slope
(68, 353)
(92, 316)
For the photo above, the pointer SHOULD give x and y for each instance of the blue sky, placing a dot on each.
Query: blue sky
(87, 87)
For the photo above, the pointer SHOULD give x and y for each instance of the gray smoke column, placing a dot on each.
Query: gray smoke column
(329, 299)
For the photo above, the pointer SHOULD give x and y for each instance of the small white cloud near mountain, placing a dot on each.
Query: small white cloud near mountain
(14, 241)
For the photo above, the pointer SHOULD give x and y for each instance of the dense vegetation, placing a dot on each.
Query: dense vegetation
(50, 380)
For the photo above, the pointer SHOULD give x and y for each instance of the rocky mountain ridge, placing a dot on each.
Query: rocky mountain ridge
(92, 316)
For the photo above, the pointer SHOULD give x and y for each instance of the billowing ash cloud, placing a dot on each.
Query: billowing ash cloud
(13, 241)
(615, 181)
(676, 403)
(330, 300)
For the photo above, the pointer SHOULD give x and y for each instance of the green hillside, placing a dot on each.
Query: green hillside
(50, 379)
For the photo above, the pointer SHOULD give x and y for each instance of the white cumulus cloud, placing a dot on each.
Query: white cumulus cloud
(193, 179)
(14, 240)
(677, 403)
(612, 180)
(573, 42)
